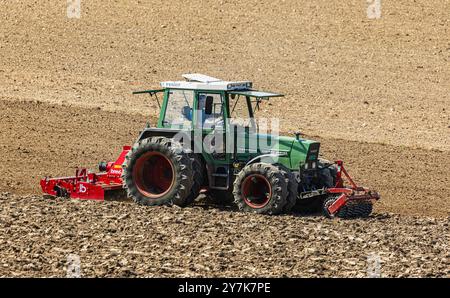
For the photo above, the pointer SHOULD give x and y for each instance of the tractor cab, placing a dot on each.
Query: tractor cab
(205, 102)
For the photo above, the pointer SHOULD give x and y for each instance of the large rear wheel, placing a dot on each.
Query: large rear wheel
(157, 171)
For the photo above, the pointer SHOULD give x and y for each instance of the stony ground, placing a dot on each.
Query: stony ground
(123, 239)
(374, 92)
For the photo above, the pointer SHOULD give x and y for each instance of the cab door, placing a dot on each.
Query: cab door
(210, 127)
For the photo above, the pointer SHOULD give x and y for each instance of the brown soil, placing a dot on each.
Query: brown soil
(374, 92)
(124, 239)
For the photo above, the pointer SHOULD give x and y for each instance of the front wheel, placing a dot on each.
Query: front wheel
(260, 188)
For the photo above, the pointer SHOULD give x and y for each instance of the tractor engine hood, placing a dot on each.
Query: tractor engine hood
(292, 152)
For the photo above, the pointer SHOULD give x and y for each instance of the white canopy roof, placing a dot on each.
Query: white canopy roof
(199, 81)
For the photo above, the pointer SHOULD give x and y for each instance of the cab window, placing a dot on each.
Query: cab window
(239, 114)
(210, 111)
(179, 108)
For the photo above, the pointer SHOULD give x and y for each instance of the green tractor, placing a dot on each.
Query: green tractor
(208, 140)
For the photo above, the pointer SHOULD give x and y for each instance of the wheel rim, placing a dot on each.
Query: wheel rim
(153, 174)
(256, 191)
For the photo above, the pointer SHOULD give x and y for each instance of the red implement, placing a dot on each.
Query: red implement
(86, 185)
(346, 194)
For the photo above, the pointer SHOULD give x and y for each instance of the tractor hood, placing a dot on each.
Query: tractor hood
(293, 152)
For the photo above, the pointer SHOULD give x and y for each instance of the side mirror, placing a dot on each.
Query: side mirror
(209, 105)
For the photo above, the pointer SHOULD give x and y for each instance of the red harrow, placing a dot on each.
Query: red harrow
(86, 185)
(346, 201)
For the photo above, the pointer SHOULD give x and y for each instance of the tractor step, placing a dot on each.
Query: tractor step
(220, 177)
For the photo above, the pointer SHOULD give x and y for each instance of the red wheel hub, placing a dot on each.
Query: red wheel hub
(256, 190)
(153, 174)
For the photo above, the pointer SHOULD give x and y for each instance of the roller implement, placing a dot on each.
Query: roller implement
(208, 140)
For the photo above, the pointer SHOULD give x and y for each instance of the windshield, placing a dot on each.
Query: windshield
(239, 112)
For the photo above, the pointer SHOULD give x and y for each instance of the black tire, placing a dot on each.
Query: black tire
(177, 168)
(198, 180)
(292, 188)
(260, 188)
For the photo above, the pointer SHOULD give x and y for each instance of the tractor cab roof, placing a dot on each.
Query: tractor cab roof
(203, 82)
(196, 81)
